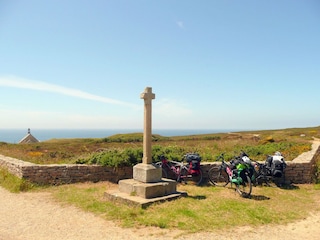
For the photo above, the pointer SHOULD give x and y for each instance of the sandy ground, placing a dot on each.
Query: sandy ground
(36, 216)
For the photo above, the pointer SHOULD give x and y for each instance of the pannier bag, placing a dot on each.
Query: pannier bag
(242, 163)
(277, 165)
(194, 161)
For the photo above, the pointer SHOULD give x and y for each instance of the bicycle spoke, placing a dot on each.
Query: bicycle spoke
(188, 178)
(245, 188)
(218, 176)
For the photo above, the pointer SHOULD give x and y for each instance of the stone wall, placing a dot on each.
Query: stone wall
(304, 172)
(55, 174)
(300, 170)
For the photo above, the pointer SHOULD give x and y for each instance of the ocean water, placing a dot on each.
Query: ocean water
(15, 135)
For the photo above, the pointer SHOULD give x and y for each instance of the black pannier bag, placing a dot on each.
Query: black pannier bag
(234, 163)
(194, 161)
(277, 168)
(276, 165)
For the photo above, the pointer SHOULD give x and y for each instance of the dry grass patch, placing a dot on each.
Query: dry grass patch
(206, 208)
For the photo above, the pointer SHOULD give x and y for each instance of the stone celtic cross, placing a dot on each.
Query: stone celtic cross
(147, 95)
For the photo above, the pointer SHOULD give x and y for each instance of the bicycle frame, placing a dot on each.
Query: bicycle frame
(173, 166)
(180, 171)
(263, 175)
(241, 180)
(229, 172)
(225, 174)
(170, 169)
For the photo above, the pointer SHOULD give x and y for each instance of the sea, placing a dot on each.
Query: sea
(15, 135)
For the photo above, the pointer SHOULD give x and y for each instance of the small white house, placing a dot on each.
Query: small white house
(29, 138)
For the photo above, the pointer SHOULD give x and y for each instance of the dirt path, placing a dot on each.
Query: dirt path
(36, 216)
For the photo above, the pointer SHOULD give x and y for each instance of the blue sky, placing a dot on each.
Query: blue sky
(212, 64)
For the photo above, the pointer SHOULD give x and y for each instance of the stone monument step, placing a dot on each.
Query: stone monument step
(148, 190)
(124, 198)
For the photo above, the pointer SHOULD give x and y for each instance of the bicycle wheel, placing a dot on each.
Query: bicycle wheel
(218, 176)
(245, 188)
(262, 181)
(270, 182)
(164, 172)
(278, 181)
(188, 178)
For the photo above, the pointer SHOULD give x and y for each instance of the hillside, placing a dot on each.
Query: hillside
(291, 142)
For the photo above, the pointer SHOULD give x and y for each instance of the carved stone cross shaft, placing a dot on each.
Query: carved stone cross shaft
(147, 95)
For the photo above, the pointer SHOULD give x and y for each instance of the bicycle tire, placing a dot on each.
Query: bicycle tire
(245, 188)
(218, 176)
(164, 172)
(188, 178)
(278, 182)
(262, 181)
(264, 177)
(270, 182)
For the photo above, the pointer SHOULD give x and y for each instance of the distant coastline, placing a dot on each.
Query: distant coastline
(15, 135)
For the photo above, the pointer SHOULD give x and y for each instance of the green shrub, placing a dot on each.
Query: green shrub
(114, 158)
(131, 156)
(172, 152)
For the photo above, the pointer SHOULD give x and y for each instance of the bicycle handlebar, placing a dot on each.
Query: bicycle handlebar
(176, 163)
(221, 156)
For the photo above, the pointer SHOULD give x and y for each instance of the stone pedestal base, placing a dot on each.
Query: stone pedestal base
(145, 188)
(147, 173)
(136, 193)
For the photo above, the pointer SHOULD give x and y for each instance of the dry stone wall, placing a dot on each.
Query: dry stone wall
(55, 174)
(300, 170)
(303, 169)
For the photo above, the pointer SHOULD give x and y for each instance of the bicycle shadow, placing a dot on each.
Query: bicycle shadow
(197, 197)
(285, 186)
(288, 186)
(258, 197)
(263, 198)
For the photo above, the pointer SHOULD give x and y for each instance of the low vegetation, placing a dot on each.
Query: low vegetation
(126, 149)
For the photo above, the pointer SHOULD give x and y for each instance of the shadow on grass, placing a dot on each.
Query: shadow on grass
(197, 197)
(259, 197)
(288, 186)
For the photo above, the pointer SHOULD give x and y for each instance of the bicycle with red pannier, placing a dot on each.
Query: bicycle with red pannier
(190, 172)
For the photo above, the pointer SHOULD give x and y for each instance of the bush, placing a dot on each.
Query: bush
(289, 150)
(131, 156)
(174, 153)
(114, 158)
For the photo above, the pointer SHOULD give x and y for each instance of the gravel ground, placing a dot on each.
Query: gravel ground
(36, 216)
